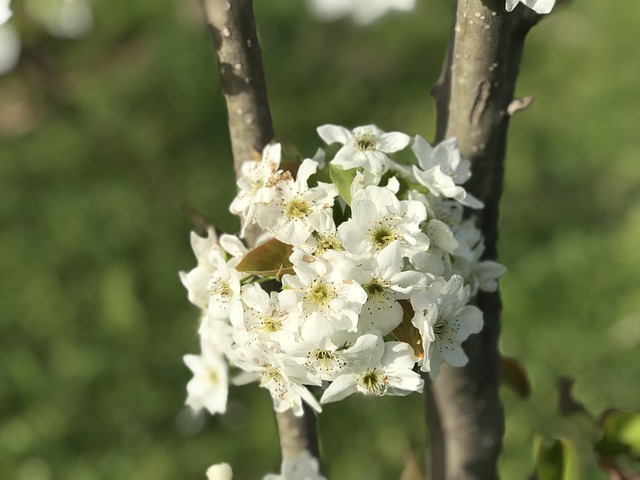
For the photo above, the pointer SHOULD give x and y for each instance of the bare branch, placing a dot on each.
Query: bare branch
(233, 32)
(473, 100)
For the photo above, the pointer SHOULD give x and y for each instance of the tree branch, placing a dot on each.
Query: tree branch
(473, 97)
(233, 32)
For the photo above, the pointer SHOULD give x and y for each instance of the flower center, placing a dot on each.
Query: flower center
(297, 208)
(270, 324)
(373, 382)
(375, 288)
(220, 287)
(382, 236)
(366, 141)
(213, 376)
(330, 242)
(321, 294)
(439, 327)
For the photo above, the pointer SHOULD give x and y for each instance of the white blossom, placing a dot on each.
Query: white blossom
(72, 19)
(362, 11)
(257, 176)
(296, 210)
(386, 368)
(263, 316)
(445, 320)
(364, 147)
(10, 46)
(539, 6)
(378, 219)
(220, 471)
(324, 291)
(207, 251)
(385, 282)
(281, 375)
(209, 386)
(5, 11)
(442, 170)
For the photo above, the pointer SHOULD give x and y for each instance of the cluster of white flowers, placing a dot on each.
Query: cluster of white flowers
(61, 18)
(364, 272)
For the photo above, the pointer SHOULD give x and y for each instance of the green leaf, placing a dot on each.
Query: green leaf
(555, 460)
(406, 332)
(621, 433)
(269, 259)
(343, 179)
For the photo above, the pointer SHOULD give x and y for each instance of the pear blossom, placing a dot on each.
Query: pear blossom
(362, 11)
(5, 11)
(539, 6)
(209, 386)
(263, 316)
(281, 375)
(207, 250)
(296, 209)
(70, 19)
(379, 218)
(385, 282)
(384, 369)
(324, 291)
(253, 185)
(10, 45)
(442, 170)
(364, 147)
(445, 320)
(220, 471)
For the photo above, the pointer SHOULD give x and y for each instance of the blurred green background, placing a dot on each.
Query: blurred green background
(102, 140)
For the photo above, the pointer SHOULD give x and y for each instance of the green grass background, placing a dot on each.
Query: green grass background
(102, 140)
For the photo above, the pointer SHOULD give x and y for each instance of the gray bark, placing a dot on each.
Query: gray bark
(233, 32)
(474, 99)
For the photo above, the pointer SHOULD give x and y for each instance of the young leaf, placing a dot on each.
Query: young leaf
(556, 460)
(343, 179)
(513, 374)
(269, 259)
(621, 433)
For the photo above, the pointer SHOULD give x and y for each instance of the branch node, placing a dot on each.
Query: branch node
(519, 104)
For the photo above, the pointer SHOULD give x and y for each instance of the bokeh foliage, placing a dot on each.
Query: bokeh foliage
(103, 140)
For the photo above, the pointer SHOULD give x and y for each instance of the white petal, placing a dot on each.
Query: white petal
(5, 11)
(543, 6)
(340, 388)
(10, 46)
(511, 4)
(383, 315)
(393, 142)
(335, 134)
(424, 153)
